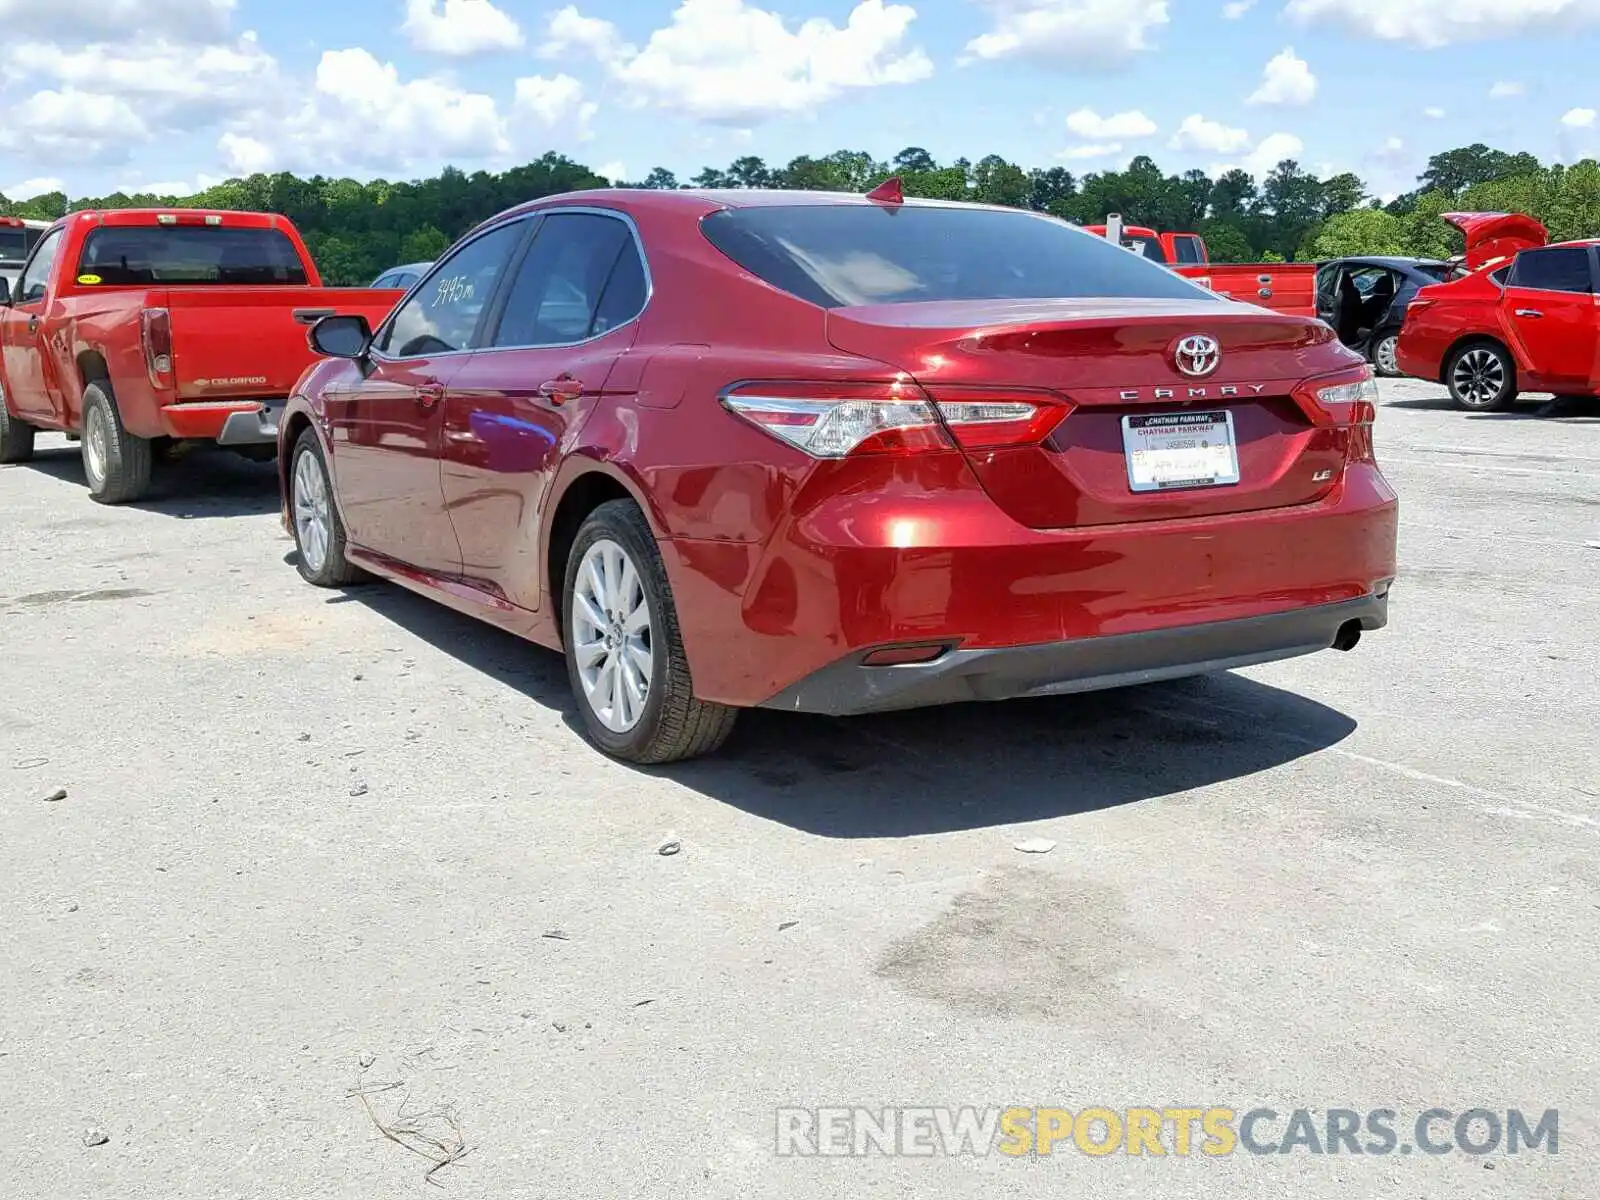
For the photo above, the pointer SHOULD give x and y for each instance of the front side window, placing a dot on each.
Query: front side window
(847, 254)
(1558, 269)
(582, 277)
(37, 273)
(189, 255)
(442, 315)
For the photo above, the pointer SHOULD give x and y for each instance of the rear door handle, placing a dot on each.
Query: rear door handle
(561, 389)
(1529, 312)
(429, 394)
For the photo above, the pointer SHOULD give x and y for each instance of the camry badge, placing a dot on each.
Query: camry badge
(1197, 355)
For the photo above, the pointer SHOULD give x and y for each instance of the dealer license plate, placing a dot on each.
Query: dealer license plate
(1180, 450)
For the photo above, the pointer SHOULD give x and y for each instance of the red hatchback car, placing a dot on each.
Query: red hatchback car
(840, 454)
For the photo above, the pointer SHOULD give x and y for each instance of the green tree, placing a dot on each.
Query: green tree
(1359, 231)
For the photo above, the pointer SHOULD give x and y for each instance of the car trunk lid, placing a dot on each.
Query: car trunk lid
(1111, 360)
(1493, 236)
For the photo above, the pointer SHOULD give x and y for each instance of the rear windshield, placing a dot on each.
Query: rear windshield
(1149, 247)
(1443, 272)
(846, 254)
(189, 254)
(16, 242)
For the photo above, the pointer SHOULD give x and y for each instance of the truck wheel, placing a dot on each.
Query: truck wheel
(116, 463)
(16, 437)
(1482, 377)
(314, 517)
(625, 658)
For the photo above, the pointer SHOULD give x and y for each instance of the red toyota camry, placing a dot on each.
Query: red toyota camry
(840, 454)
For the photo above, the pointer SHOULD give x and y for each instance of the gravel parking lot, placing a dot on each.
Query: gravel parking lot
(313, 843)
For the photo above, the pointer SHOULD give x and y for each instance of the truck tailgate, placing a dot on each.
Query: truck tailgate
(1283, 287)
(232, 342)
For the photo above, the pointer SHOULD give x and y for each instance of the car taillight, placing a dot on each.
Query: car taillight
(1350, 402)
(1417, 305)
(832, 420)
(155, 333)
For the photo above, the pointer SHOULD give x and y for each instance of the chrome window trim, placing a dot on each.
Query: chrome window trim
(552, 210)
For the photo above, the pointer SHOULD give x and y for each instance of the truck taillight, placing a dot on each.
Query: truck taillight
(155, 333)
(833, 420)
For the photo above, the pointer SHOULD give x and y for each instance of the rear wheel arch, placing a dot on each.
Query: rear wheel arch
(92, 369)
(580, 496)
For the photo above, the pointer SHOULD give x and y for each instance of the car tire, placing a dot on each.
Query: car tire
(116, 464)
(1383, 356)
(16, 436)
(620, 629)
(314, 520)
(1482, 377)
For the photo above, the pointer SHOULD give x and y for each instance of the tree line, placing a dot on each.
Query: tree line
(356, 230)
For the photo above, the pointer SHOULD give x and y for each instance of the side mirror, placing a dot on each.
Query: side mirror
(5, 290)
(341, 336)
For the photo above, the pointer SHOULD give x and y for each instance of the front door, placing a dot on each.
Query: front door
(30, 386)
(1550, 307)
(387, 429)
(544, 367)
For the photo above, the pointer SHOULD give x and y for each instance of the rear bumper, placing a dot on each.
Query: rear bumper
(849, 688)
(243, 423)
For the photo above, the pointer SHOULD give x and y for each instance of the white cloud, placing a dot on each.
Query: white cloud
(100, 20)
(1392, 153)
(73, 127)
(1070, 32)
(556, 103)
(359, 116)
(569, 31)
(1286, 80)
(1433, 112)
(459, 27)
(1434, 23)
(1270, 151)
(1087, 123)
(728, 61)
(164, 187)
(27, 189)
(1089, 151)
(616, 172)
(1505, 90)
(1213, 137)
(1237, 9)
(1579, 118)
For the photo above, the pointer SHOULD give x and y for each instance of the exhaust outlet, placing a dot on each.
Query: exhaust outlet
(1348, 636)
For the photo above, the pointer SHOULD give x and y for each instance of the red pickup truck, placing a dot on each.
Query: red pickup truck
(137, 329)
(1283, 287)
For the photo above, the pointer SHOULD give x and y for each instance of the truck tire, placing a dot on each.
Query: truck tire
(16, 437)
(625, 657)
(116, 464)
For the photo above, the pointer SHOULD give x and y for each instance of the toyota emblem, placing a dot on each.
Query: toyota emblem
(1197, 355)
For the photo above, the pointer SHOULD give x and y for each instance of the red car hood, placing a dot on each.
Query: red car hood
(1495, 236)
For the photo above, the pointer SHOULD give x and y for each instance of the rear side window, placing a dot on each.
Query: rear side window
(189, 254)
(581, 277)
(1559, 269)
(845, 254)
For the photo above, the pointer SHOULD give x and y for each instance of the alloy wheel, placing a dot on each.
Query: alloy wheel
(611, 634)
(313, 518)
(1385, 356)
(1478, 378)
(96, 448)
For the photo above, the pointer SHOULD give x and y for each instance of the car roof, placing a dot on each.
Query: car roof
(707, 200)
(1391, 260)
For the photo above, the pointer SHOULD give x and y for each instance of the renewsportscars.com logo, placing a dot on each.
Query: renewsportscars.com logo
(1097, 1131)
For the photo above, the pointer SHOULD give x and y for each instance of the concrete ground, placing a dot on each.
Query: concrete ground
(320, 842)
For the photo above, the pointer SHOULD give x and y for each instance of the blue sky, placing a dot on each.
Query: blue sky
(101, 94)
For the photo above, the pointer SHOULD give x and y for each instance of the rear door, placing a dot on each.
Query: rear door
(31, 388)
(386, 429)
(1550, 309)
(568, 312)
